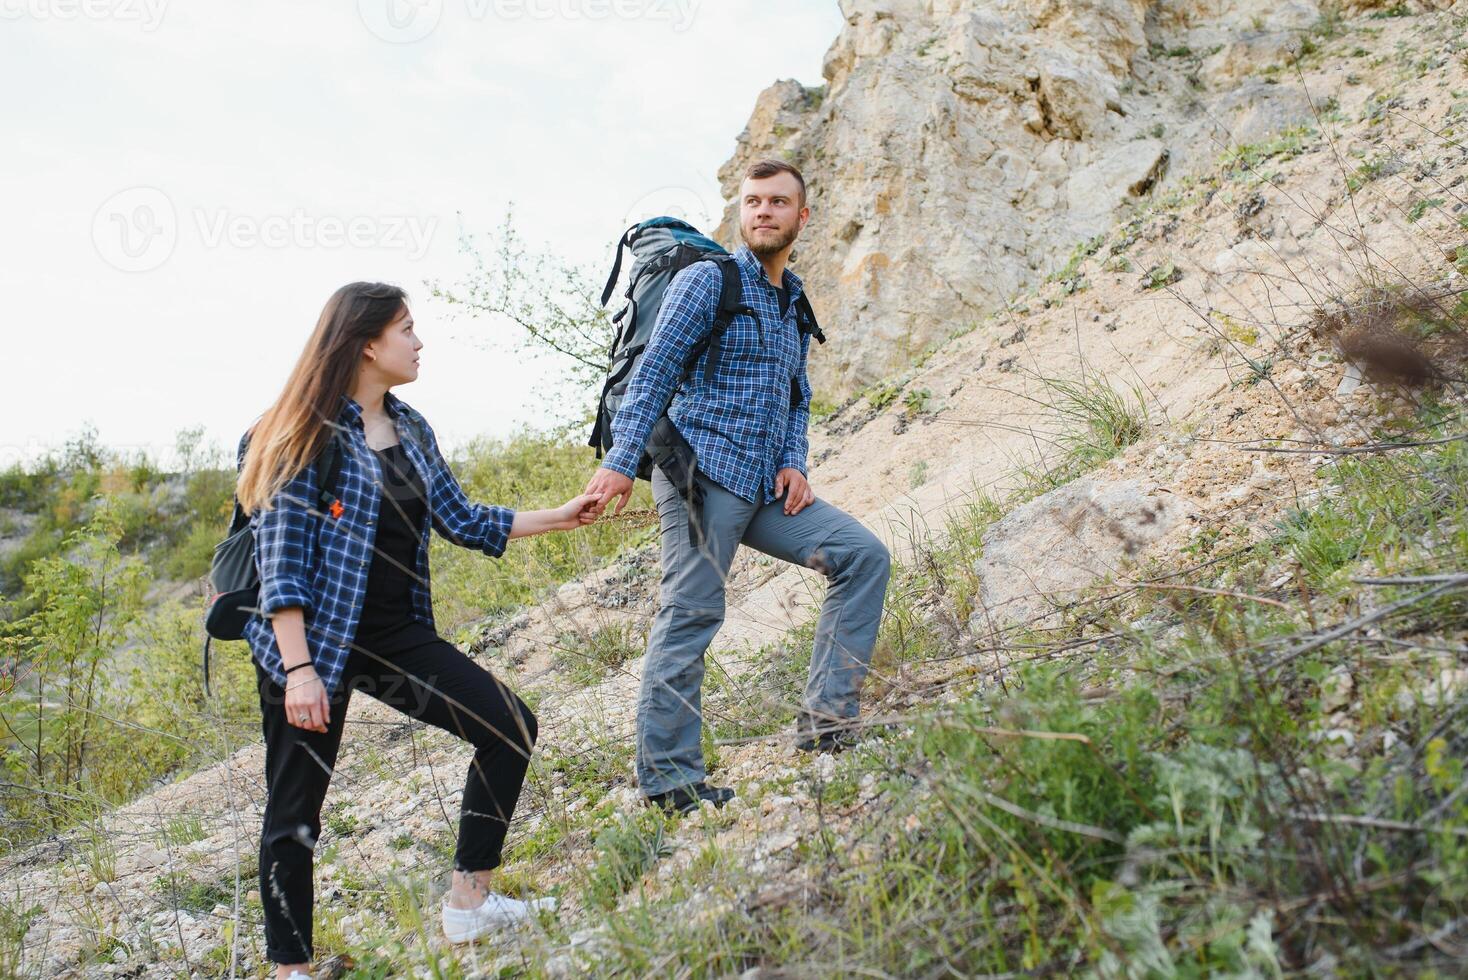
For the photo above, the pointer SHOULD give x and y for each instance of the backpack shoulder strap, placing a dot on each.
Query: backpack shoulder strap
(806, 317)
(731, 304)
(606, 293)
(329, 463)
(238, 518)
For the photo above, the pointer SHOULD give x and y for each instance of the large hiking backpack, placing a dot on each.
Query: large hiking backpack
(661, 248)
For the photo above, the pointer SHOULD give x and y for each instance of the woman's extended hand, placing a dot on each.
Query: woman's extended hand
(575, 513)
(305, 698)
(572, 514)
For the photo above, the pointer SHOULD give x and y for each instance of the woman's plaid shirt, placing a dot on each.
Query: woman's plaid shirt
(319, 561)
(741, 424)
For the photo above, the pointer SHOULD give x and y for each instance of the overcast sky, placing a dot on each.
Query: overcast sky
(185, 184)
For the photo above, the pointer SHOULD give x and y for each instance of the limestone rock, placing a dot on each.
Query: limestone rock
(1042, 553)
(959, 151)
(1336, 689)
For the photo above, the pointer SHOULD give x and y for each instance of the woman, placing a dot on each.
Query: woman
(345, 603)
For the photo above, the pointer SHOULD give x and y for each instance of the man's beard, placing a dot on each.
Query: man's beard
(770, 246)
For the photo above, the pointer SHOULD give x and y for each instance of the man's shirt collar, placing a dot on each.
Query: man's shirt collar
(751, 264)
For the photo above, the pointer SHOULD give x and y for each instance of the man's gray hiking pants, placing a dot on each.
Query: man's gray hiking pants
(856, 565)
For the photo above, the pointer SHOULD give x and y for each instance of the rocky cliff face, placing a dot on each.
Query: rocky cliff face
(960, 149)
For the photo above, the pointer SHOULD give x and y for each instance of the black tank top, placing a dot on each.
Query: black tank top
(403, 501)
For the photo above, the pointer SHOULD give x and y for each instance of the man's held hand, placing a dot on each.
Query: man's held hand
(607, 485)
(796, 488)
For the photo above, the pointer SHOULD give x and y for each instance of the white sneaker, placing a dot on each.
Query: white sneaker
(298, 975)
(496, 912)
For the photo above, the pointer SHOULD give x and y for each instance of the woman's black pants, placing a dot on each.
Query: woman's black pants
(426, 677)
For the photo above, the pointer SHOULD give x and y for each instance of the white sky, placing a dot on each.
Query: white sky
(179, 181)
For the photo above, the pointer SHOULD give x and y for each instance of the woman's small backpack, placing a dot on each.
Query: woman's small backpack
(234, 576)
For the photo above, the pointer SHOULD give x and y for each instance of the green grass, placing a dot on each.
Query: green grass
(586, 657)
(180, 892)
(1372, 169)
(1082, 251)
(1161, 275)
(883, 395)
(597, 761)
(1421, 206)
(340, 823)
(183, 830)
(916, 400)
(1245, 159)
(760, 701)
(625, 850)
(526, 472)
(16, 917)
(1095, 422)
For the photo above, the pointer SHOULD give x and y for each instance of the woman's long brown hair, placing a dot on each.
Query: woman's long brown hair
(295, 429)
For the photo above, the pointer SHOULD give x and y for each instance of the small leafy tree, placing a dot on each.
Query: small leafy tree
(553, 306)
(54, 694)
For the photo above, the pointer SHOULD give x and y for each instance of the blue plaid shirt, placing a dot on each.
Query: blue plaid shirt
(741, 424)
(311, 559)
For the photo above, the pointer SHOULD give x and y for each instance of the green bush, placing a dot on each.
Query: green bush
(108, 696)
(1096, 421)
(528, 471)
(625, 850)
(584, 658)
(56, 711)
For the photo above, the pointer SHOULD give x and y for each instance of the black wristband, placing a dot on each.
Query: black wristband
(299, 666)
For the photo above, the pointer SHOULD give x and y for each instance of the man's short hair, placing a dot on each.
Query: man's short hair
(768, 167)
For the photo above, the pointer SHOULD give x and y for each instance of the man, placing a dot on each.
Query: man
(748, 427)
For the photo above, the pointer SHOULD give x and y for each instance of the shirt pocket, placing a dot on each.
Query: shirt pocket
(342, 541)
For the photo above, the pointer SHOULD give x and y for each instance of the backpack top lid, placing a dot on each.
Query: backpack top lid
(681, 231)
(656, 235)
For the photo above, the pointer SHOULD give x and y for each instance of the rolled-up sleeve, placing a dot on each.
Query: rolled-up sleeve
(285, 545)
(482, 527)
